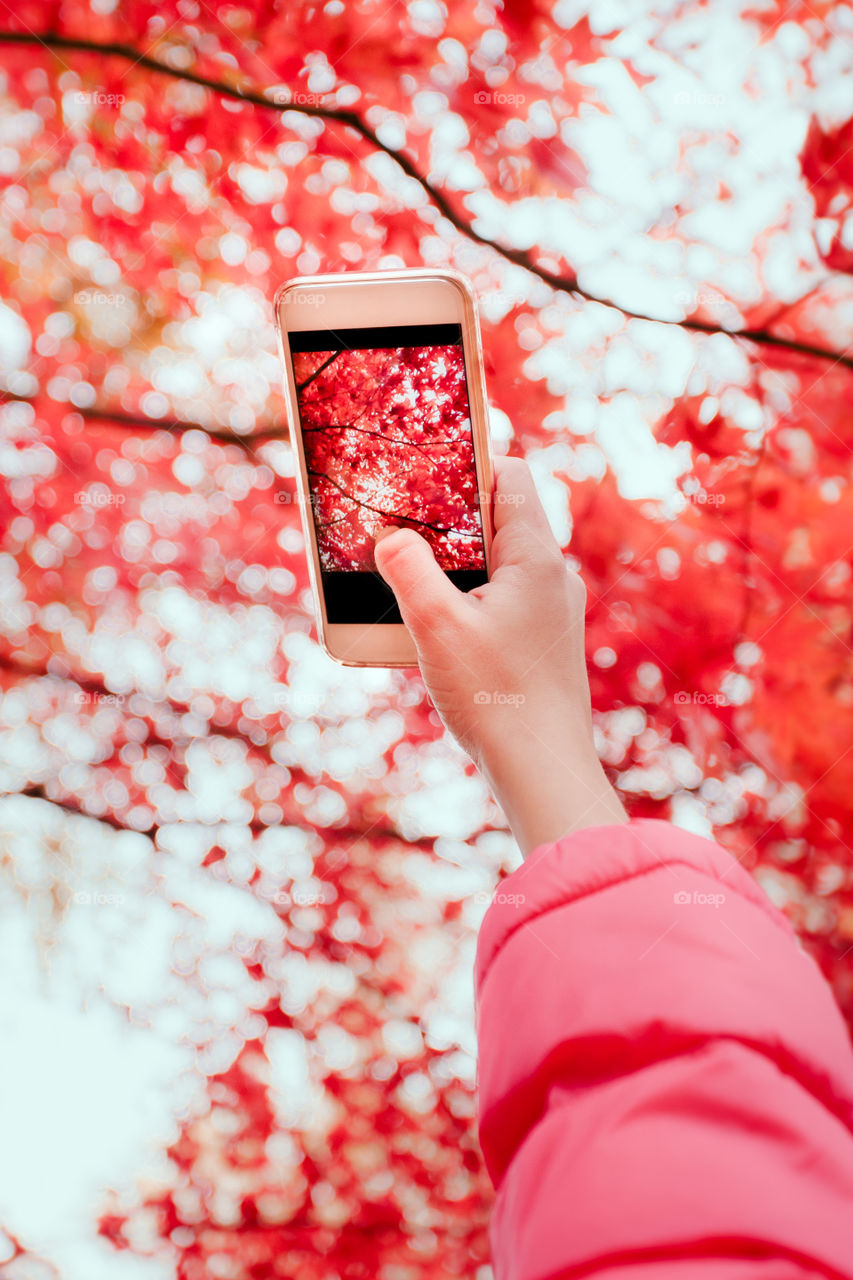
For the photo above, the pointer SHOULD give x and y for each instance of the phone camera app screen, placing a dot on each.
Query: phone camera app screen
(387, 436)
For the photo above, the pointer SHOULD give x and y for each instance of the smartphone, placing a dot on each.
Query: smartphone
(383, 377)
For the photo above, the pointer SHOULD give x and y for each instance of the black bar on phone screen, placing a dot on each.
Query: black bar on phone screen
(376, 338)
(358, 597)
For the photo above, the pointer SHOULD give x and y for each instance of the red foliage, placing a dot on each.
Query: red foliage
(388, 441)
(156, 610)
(827, 165)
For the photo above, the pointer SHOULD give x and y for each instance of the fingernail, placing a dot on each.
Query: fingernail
(384, 531)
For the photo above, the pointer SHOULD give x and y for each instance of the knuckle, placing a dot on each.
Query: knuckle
(561, 579)
(555, 569)
(577, 587)
(436, 618)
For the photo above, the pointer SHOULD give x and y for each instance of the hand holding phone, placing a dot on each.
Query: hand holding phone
(505, 665)
(384, 382)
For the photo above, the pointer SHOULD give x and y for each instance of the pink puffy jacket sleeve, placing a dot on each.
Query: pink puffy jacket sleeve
(665, 1081)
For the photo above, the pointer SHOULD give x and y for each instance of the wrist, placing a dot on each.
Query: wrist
(546, 775)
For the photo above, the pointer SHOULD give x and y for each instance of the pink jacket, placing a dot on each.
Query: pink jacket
(665, 1081)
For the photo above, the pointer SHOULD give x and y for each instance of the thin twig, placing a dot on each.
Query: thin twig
(395, 515)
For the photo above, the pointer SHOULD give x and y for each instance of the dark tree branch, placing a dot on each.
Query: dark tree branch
(332, 834)
(307, 383)
(351, 120)
(365, 431)
(104, 414)
(95, 689)
(327, 524)
(367, 828)
(137, 422)
(395, 515)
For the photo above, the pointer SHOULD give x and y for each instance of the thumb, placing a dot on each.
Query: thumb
(426, 596)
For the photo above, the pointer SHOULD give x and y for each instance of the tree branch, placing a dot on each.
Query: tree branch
(367, 828)
(350, 119)
(137, 422)
(327, 524)
(395, 515)
(95, 414)
(94, 688)
(104, 414)
(346, 833)
(365, 431)
(300, 387)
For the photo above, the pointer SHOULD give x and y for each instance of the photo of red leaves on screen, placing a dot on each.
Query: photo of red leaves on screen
(388, 442)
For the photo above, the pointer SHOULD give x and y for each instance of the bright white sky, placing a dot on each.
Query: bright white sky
(87, 1098)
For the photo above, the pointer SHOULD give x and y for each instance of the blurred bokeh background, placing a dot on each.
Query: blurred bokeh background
(241, 885)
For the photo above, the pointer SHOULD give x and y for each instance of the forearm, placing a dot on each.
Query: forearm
(547, 778)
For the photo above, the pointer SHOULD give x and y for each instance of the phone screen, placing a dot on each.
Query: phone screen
(387, 437)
